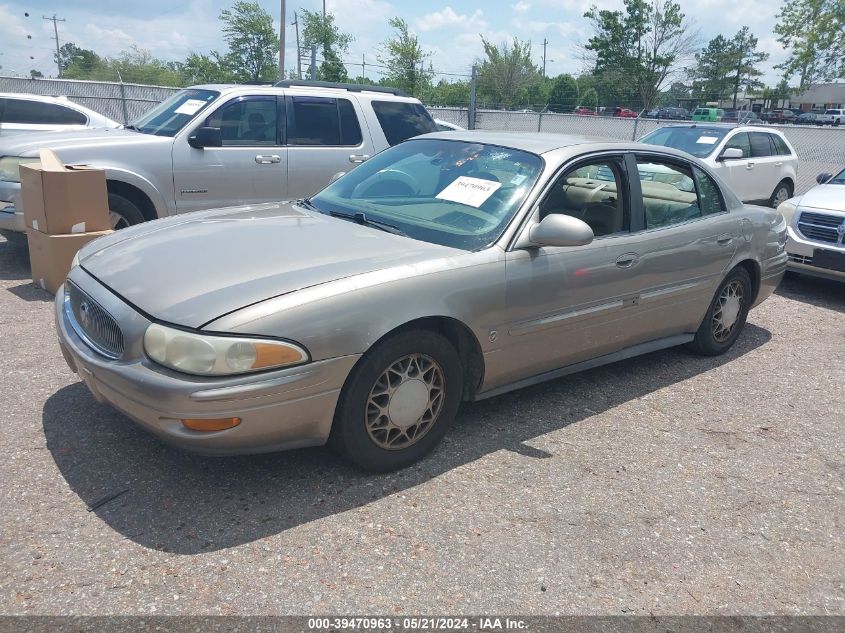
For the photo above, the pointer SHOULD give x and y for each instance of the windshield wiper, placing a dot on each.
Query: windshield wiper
(361, 218)
(133, 127)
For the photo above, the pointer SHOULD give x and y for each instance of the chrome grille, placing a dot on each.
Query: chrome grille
(800, 259)
(820, 227)
(92, 323)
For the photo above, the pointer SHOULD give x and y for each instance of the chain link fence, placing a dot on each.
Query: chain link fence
(820, 149)
(118, 101)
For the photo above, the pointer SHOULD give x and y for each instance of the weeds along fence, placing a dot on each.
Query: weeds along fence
(819, 149)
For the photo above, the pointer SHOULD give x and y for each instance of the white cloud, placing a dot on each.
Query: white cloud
(521, 6)
(447, 18)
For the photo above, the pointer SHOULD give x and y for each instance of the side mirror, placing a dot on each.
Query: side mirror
(823, 178)
(206, 137)
(557, 229)
(731, 153)
(337, 176)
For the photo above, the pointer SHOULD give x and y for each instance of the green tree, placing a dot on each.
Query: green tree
(507, 73)
(322, 32)
(36, 74)
(454, 93)
(745, 57)
(589, 99)
(814, 33)
(403, 56)
(564, 94)
(253, 43)
(79, 63)
(639, 49)
(200, 68)
(137, 65)
(710, 74)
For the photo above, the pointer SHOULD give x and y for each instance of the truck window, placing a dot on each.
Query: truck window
(401, 120)
(322, 121)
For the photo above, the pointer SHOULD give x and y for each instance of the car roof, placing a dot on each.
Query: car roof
(534, 142)
(705, 125)
(280, 90)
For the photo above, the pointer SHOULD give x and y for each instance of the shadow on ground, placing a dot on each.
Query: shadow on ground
(824, 293)
(14, 260)
(177, 502)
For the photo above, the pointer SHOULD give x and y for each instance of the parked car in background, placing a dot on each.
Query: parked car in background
(451, 267)
(758, 163)
(445, 126)
(37, 113)
(585, 111)
(741, 117)
(217, 145)
(808, 118)
(708, 114)
(816, 229)
(672, 113)
(625, 113)
(779, 116)
(833, 116)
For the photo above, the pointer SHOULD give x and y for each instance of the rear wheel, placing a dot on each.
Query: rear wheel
(726, 315)
(782, 193)
(398, 402)
(123, 212)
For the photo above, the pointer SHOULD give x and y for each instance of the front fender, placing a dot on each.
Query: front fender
(157, 197)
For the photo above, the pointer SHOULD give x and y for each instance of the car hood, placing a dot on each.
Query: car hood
(191, 269)
(28, 144)
(824, 197)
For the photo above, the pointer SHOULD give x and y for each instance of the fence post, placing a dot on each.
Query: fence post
(472, 103)
(123, 100)
(540, 121)
(636, 123)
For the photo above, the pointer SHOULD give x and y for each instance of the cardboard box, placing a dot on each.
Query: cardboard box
(60, 199)
(50, 255)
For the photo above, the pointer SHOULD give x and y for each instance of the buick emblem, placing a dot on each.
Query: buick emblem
(85, 315)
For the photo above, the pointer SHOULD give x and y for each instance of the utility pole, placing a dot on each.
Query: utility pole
(55, 21)
(298, 49)
(324, 9)
(472, 86)
(313, 62)
(545, 42)
(282, 26)
(363, 65)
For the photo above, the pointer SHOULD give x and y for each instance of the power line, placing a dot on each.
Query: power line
(55, 21)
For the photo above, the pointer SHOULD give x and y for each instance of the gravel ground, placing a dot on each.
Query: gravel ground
(667, 484)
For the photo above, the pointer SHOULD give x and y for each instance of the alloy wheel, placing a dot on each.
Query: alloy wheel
(117, 221)
(781, 195)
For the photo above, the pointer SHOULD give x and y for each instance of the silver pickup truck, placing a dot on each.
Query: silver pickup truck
(220, 145)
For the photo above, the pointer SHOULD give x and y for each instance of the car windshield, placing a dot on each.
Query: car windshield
(698, 141)
(451, 193)
(170, 116)
(838, 179)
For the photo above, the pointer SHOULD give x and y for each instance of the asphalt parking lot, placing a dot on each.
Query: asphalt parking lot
(667, 484)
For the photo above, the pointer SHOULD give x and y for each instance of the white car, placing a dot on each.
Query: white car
(38, 113)
(757, 162)
(833, 116)
(816, 229)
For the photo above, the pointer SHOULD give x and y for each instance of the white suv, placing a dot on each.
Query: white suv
(37, 113)
(757, 162)
(833, 116)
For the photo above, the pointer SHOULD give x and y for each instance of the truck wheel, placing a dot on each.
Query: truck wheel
(123, 212)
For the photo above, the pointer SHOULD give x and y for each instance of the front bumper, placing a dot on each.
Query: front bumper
(801, 250)
(279, 410)
(11, 211)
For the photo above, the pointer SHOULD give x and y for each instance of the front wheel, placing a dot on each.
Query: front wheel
(123, 212)
(726, 315)
(398, 402)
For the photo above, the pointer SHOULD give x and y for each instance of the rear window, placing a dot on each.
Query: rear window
(37, 112)
(401, 120)
(832, 111)
(780, 146)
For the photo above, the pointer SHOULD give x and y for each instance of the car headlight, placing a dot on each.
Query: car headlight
(787, 209)
(9, 171)
(213, 355)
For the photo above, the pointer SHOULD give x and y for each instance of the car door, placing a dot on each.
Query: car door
(325, 136)
(688, 242)
(251, 165)
(738, 172)
(767, 166)
(568, 304)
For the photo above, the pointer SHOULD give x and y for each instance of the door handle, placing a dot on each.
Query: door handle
(266, 159)
(749, 166)
(627, 260)
(358, 158)
(724, 239)
(778, 164)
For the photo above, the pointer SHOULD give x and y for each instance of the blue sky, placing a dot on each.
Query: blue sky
(448, 30)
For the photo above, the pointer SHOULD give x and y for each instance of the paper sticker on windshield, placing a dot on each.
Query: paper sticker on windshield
(190, 107)
(707, 140)
(519, 179)
(470, 191)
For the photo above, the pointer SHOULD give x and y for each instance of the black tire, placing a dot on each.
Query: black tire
(710, 340)
(357, 439)
(128, 211)
(784, 186)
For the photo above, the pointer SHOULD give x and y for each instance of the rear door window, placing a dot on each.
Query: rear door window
(37, 112)
(322, 121)
(760, 145)
(780, 146)
(401, 120)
